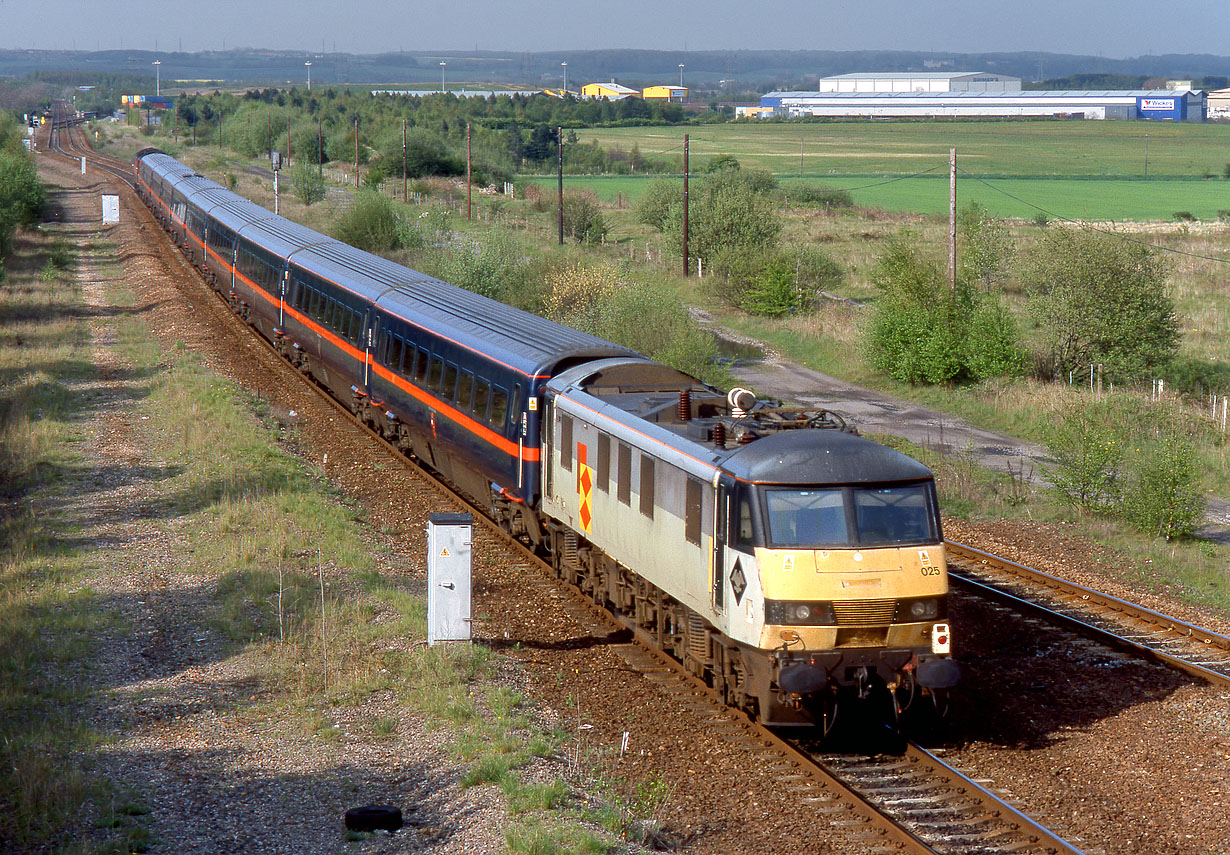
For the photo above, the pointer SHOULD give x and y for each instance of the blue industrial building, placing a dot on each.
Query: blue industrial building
(1148, 104)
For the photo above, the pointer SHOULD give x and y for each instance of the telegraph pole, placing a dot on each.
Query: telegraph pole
(685, 200)
(405, 195)
(356, 152)
(952, 220)
(469, 173)
(560, 196)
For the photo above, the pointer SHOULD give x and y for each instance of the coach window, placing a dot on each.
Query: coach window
(465, 390)
(565, 442)
(314, 308)
(420, 366)
(499, 406)
(450, 381)
(647, 485)
(692, 511)
(434, 375)
(394, 358)
(482, 392)
(604, 463)
(623, 475)
(356, 326)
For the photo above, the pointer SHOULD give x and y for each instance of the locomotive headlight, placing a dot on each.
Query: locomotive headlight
(800, 612)
(924, 609)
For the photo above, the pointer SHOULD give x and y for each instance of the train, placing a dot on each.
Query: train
(791, 563)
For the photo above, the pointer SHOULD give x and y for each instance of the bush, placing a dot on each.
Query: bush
(583, 218)
(1197, 378)
(1184, 216)
(1162, 498)
(924, 332)
(773, 283)
(21, 195)
(654, 208)
(493, 266)
(370, 223)
(921, 331)
(600, 300)
(1120, 459)
(1100, 299)
(1088, 445)
(308, 184)
(818, 196)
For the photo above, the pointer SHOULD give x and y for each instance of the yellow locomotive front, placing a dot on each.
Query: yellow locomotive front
(850, 565)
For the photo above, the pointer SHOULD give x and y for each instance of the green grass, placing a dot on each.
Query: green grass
(1058, 198)
(1113, 149)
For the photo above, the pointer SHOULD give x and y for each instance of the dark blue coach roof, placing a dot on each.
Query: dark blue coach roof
(523, 341)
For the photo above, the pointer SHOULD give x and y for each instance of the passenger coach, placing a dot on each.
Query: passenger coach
(450, 375)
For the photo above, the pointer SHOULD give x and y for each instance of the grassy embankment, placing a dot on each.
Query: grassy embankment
(262, 534)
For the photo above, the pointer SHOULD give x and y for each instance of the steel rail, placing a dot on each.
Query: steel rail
(1090, 604)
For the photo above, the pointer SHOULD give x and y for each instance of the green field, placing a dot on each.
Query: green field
(1072, 198)
(1017, 148)
(1085, 170)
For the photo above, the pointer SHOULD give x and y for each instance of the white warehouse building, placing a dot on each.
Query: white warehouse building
(1157, 105)
(922, 81)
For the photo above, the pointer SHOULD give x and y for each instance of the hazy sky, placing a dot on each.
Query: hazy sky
(1120, 28)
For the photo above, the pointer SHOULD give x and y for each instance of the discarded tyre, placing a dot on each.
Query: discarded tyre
(373, 817)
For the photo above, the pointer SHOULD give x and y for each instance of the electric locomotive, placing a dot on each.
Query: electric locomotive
(787, 561)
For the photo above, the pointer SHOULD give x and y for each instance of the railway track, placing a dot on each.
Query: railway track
(1117, 623)
(61, 140)
(908, 800)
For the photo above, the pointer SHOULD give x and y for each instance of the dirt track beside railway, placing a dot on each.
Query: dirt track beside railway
(1094, 764)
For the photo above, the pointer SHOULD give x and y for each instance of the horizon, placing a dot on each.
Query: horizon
(1095, 28)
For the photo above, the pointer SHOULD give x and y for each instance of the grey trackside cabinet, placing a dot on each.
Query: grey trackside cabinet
(448, 577)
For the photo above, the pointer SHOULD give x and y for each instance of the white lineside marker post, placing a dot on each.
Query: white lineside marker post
(83, 166)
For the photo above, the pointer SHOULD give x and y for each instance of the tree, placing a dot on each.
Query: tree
(21, 194)
(1101, 298)
(985, 245)
(728, 209)
(308, 183)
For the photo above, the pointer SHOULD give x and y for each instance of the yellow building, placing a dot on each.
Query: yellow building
(670, 93)
(611, 91)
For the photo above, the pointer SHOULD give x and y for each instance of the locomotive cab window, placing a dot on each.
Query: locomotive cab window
(743, 530)
(807, 517)
(899, 514)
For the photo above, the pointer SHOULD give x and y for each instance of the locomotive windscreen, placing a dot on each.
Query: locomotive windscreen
(848, 517)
